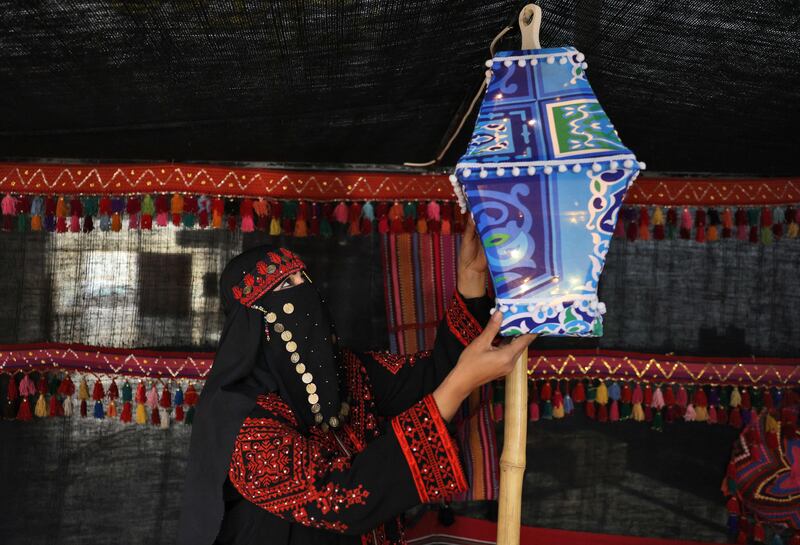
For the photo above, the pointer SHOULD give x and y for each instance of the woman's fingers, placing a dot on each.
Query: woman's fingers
(491, 330)
(516, 346)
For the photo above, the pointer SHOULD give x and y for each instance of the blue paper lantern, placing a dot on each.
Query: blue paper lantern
(544, 176)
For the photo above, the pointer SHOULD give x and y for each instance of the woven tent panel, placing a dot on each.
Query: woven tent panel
(160, 289)
(703, 86)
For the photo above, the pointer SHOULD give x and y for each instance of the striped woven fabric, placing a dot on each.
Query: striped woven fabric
(478, 445)
(420, 276)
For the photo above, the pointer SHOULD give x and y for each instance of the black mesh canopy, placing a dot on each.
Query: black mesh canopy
(691, 85)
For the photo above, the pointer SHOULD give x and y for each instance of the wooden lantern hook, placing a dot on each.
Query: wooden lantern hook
(530, 21)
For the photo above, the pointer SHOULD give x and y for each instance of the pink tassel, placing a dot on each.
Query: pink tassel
(434, 211)
(690, 415)
(8, 205)
(152, 397)
(686, 224)
(637, 396)
(613, 414)
(26, 386)
(246, 211)
(340, 213)
(533, 411)
(682, 399)
(658, 399)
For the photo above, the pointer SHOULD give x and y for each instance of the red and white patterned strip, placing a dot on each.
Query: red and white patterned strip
(430, 451)
(460, 321)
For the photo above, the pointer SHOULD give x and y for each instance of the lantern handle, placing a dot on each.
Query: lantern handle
(530, 21)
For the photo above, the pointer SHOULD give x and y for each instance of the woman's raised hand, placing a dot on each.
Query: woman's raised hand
(479, 363)
(472, 266)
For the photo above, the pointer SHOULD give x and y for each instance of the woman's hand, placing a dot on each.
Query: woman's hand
(480, 362)
(472, 266)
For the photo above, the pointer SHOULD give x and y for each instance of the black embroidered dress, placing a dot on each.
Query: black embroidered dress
(347, 486)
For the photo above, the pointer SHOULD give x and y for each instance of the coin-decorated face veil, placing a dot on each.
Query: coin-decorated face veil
(299, 341)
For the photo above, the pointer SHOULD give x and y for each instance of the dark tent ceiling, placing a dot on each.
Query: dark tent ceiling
(691, 85)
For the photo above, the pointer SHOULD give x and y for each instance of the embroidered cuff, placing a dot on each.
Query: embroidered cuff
(460, 321)
(430, 451)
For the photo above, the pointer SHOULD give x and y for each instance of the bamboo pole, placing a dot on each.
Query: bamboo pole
(515, 433)
(512, 461)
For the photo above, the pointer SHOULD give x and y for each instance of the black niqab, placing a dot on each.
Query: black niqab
(241, 371)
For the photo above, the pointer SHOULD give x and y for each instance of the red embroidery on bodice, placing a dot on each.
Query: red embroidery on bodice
(277, 468)
(394, 362)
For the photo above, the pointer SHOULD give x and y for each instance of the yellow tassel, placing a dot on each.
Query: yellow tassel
(658, 216)
(771, 425)
(41, 407)
(61, 208)
(791, 232)
(274, 227)
(558, 412)
(141, 415)
(112, 410)
(638, 412)
(83, 390)
(736, 397)
(602, 394)
(176, 204)
(116, 223)
(701, 414)
(36, 223)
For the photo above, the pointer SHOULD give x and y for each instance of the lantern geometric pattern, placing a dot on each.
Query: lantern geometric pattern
(544, 176)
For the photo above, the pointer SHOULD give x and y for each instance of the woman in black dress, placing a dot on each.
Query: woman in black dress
(299, 441)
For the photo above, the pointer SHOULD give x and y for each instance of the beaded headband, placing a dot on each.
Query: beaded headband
(267, 273)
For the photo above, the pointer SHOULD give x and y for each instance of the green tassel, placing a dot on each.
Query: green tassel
(189, 416)
(188, 219)
(325, 228)
(625, 411)
(410, 210)
(52, 388)
(591, 393)
(127, 392)
(753, 216)
(671, 231)
(658, 420)
(547, 410)
(724, 396)
(91, 205)
(766, 235)
(22, 223)
(289, 210)
(757, 399)
(148, 206)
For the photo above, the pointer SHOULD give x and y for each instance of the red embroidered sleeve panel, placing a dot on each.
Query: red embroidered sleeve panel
(398, 381)
(460, 321)
(429, 451)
